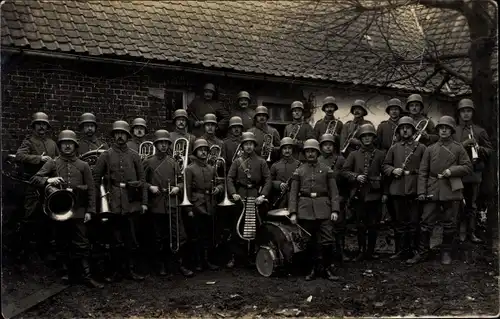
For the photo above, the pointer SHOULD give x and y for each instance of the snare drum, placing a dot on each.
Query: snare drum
(277, 244)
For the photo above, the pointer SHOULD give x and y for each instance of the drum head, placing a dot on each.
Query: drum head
(279, 212)
(266, 261)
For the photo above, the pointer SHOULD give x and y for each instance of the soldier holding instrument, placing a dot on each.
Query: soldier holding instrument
(181, 129)
(139, 131)
(89, 140)
(243, 110)
(76, 176)
(348, 136)
(232, 142)
(415, 108)
(299, 130)
(164, 184)
(329, 124)
(262, 130)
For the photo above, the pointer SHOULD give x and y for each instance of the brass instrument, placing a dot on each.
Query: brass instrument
(394, 137)
(249, 218)
(225, 202)
(283, 193)
(104, 198)
(59, 202)
(238, 153)
(267, 147)
(421, 130)
(350, 137)
(295, 131)
(174, 247)
(474, 148)
(329, 129)
(181, 152)
(213, 154)
(91, 156)
(146, 149)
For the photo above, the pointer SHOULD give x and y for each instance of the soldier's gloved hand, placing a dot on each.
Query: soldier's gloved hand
(421, 197)
(293, 218)
(334, 216)
(236, 197)
(468, 142)
(144, 208)
(446, 173)
(361, 179)
(384, 199)
(175, 190)
(216, 191)
(87, 217)
(397, 171)
(123, 185)
(190, 213)
(55, 180)
(355, 142)
(283, 187)
(259, 200)
(154, 189)
(45, 158)
(198, 123)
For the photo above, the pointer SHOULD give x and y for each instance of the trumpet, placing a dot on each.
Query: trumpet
(267, 147)
(214, 154)
(181, 150)
(146, 149)
(329, 129)
(422, 130)
(474, 148)
(348, 140)
(238, 153)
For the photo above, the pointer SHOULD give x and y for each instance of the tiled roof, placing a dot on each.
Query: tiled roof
(276, 38)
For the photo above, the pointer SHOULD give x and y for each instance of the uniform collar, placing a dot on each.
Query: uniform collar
(446, 141)
(329, 118)
(313, 164)
(245, 155)
(288, 160)
(92, 139)
(70, 158)
(263, 127)
(358, 121)
(407, 142)
(182, 132)
(208, 137)
(123, 148)
(199, 161)
(160, 155)
(327, 155)
(367, 149)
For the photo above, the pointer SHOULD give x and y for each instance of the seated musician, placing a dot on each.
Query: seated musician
(76, 175)
(314, 205)
(281, 172)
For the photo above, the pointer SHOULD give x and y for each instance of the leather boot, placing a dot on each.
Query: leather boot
(422, 250)
(130, 270)
(372, 241)
(312, 273)
(206, 261)
(339, 248)
(114, 266)
(162, 269)
(198, 257)
(87, 278)
(230, 263)
(446, 248)
(397, 246)
(361, 244)
(183, 269)
(327, 251)
(471, 230)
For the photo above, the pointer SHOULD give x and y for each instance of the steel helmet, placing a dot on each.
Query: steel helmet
(327, 138)
(87, 118)
(329, 100)
(209, 86)
(414, 98)
(406, 120)
(235, 120)
(67, 135)
(361, 104)
(311, 143)
(367, 129)
(243, 95)
(210, 118)
(261, 110)
(162, 135)
(200, 143)
(394, 102)
(40, 117)
(297, 105)
(121, 126)
(448, 121)
(180, 113)
(139, 122)
(248, 136)
(465, 103)
(286, 141)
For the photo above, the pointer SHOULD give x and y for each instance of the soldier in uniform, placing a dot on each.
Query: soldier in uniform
(181, 129)
(364, 168)
(299, 130)
(162, 180)
(314, 205)
(401, 166)
(415, 107)
(123, 175)
(207, 104)
(201, 189)
(442, 168)
(89, 140)
(329, 122)
(35, 150)
(281, 172)
(139, 131)
(349, 129)
(387, 133)
(210, 125)
(243, 110)
(231, 143)
(472, 136)
(76, 175)
(261, 128)
(248, 176)
(331, 158)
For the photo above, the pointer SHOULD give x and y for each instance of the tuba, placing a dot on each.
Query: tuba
(348, 140)
(267, 147)
(59, 202)
(146, 149)
(421, 127)
(225, 201)
(330, 129)
(181, 152)
(214, 154)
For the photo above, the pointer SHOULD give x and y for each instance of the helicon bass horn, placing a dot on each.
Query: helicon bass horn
(181, 152)
(59, 202)
(146, 149)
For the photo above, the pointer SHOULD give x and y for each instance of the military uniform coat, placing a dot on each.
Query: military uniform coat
(347, 129)
(30, 151)
(305, 132)
(199, 107)
(437, 158)
(484, 150)
(321, 126)
(199, 184)
(385, 134)
(89, 144)
(135, 142)
(161, 170)
(336, 162)
(122, 165)
(395, 157)
(177, 134)
(313, 193)
(77, 176)
(259, 133)
(369, 162)
(247, 115)
(247, 174)
(281, 172)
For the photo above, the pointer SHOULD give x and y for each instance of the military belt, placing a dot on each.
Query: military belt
(203, 192)
(313, 195)
(247, 186)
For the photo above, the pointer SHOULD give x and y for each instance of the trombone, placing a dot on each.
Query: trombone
(174, 248)
(350, 137)
(422, 130)
(181, 151)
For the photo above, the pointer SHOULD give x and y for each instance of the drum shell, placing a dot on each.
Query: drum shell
(287, 239)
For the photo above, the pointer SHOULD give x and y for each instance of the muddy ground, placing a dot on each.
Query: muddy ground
(373, 288)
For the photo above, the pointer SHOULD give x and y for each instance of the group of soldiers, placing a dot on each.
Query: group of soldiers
(421, 172)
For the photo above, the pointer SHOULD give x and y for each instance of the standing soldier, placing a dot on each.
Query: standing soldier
(348, 140)
(231, 143)
(386, 131)
(139, 130)
(314, 205)
(75, 174)
(331, 158)
(401, 166)
(89, 140)
(181, 129)
(123, 175)
(210, 125)
(207, 104)
(281, 172)
(329, 124)
(477, 143)
(243, 110)
(415, 107)
(299, 130)
(162, 172)
(34, 151)
(263, 132)
(201, 190)
(442, 168)
(364, 168)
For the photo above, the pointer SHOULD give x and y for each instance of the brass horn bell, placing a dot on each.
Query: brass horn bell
(59, 203)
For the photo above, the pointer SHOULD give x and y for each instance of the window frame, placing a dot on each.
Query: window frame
(262, 100)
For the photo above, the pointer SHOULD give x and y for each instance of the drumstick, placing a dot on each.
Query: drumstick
(300, 227)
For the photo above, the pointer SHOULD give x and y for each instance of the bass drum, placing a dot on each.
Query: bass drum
(277, 244)
(91, 157)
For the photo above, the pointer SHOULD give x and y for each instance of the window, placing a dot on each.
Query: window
(174, 99)
(279, 110)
